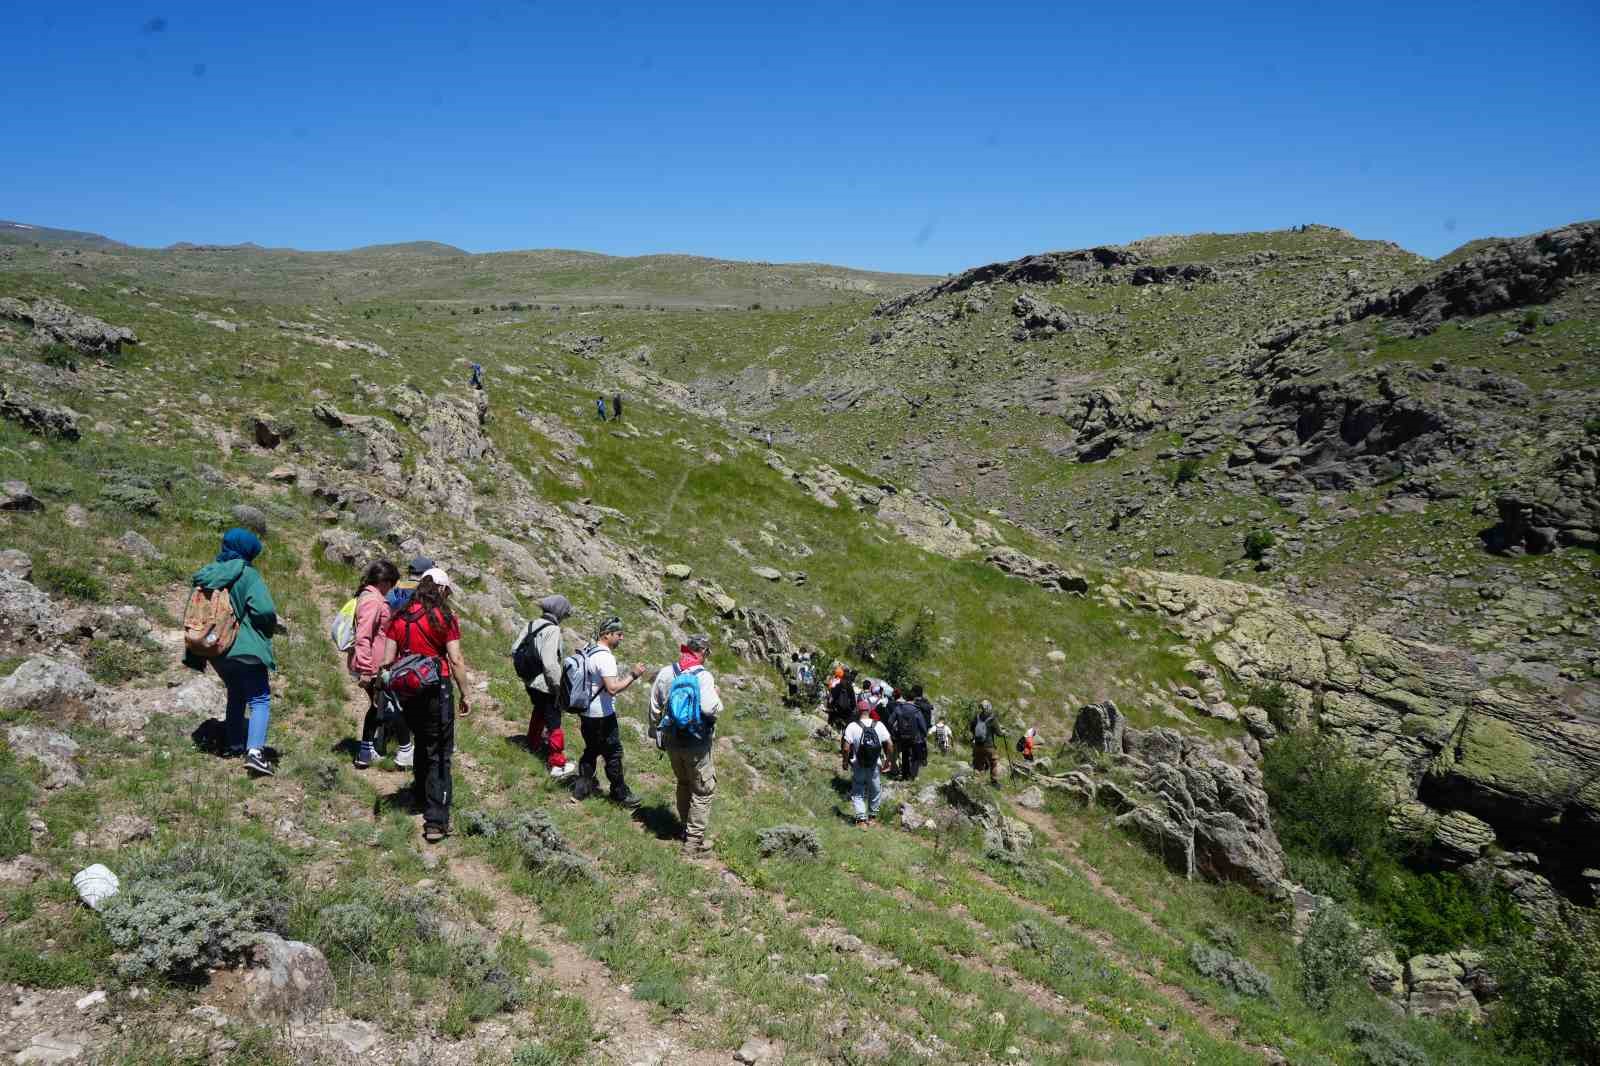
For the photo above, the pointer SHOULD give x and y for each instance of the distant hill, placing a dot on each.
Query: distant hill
(22, 232)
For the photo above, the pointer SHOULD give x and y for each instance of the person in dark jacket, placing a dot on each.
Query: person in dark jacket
(924, 707)
(986, 732)
(245, 667)
(841, 699)
(616, 407)
(905, 726)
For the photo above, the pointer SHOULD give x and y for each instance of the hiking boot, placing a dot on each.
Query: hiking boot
(256, 764)
(433, 833)
(405, 758)
(700, 846)
(627, 801)
(363, 756)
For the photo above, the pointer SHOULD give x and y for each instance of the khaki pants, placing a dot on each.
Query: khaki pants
(697, 783)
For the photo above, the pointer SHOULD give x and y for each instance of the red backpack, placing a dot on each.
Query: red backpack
(413, 674)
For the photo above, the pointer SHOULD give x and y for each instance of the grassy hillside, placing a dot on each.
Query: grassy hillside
(887, 946)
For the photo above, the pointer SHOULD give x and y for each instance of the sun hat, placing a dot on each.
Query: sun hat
(439, 577)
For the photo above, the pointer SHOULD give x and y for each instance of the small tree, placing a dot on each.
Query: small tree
(1257, 543)
(1187, 471)
(896, 650)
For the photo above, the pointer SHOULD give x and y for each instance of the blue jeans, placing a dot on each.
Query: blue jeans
(248, 689)
(866, 790)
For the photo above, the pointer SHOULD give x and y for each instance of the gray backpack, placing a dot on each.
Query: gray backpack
(577, 690)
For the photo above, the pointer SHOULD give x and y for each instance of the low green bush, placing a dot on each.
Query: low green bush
(1529, 323)
(243, 870)
(1187, 470)
(61, 356)
(1591, 427)
(1326, 803)
(124, 496)
(116, 662)
(1230, 971)
(1273, 697)
(1550, 989)
(1432, 913)
(1258, 542)
(74, 582)
(1380, 1047)
(177, 930)
(543, 849)
(895, 648)
(1330, 956)
(15, 792)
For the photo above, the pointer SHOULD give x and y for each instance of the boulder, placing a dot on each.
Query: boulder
(680, 571)
(53, 320)
(53, 687)
(1044, 574)
(38, 418)
(270, 431)
(54, 750)
(1099, 727)
(27, 615)
(1460, 838)
(16, 563)
(137, 546)
(16, 496)
(252, 518)
(927, 524)
(289, 981)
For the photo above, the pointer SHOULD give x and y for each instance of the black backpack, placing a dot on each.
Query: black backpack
(982, 731)
(525, 656)
(903, 722)
(869, 749)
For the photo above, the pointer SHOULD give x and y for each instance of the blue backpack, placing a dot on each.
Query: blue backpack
(683, 721)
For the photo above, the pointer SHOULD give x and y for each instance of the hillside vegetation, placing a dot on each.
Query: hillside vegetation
(1125, 900)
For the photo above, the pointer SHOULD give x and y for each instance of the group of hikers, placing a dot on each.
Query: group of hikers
(402, 646)
(616, 407)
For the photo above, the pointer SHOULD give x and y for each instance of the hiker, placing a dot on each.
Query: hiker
(769, 438)
(600, 407)
(688, 746)
(866, 751)
(985, 731)
(941, 736)
(426, 671)
(841, 699)
(1025, 744)
(545, 735)
(400, 595)
(924, 708)
(616, 407)
(477, 376)
(601, 737)
(245, 665)
(905, 726)
(365, 659)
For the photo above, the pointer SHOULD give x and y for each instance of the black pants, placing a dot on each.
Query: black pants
(602, 739)
(905, 755)
(919, 756)
(545, 715)
(369, 725)
(432, 718)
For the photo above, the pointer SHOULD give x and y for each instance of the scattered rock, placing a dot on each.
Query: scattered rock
(56, 751)
(269, 432)
(15, 496)
(757, 1051)
(136, 545)
(252, 518)
(55, 321)
(681, 571)
(54, 687)
(50, 1047)
(38, 418)
(16, 563)
(767, 573)
(23, 870)
(289, 981)
(27, 615)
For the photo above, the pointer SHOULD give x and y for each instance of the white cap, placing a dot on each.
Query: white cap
(440, 578)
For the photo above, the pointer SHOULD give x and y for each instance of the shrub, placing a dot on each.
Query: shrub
(125, 496)
(895, 650)
(72, 581)
(1529, 323)
(1325, 802)
(114, 662)
(177, 930)
(1550, 989)
(1380, 1047)
(1275, 700)
(56, 354)
(1030, 936)
(15, 792)
(536, 1055)
(1258, 542)
(542, 847)
(350, 929)
(1187, 471)
(1432, 913)
(1330, 956)
(789, 841)
(1591, 427)
(243, 870)
(1230, 971)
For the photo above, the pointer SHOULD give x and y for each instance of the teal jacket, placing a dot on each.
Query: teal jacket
(252, 603)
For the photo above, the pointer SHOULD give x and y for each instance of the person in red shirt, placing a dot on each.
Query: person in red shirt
(426, 626)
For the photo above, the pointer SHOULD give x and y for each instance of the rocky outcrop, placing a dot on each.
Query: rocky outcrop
(925, 523)
(1044, 269)
(1558, 510)
(1103, 422)
(1420, 714)
(1204, 816)
(1038, 571)
(27, 616)
(378, 447)
(1172, 273)
(55, 688)
(1446, 984)
(54, 321)
(312, 333)
(1041, 318)
(52, 749)
(42, 419)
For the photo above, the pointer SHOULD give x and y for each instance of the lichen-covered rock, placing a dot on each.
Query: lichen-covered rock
(42, 419)
(1099, 728)
(1040, 572)
(1461, 838)
(27, 615)
(54, 687)
(925, 523)
(54, 750)
(290, 981)
(55, 321)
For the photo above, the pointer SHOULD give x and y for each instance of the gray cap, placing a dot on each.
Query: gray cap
(986, 705)
(698, 642)
(420, 565)
(610, 625)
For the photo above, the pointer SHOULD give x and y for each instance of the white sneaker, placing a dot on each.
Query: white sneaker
(559, 772)
(405, 756)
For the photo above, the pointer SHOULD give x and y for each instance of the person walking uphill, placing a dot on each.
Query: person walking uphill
(365, 659)
(539, 665)
(601, 737)
(985, 732)
(684, 705)
(866, 750)
(425, 671)
(245, 663)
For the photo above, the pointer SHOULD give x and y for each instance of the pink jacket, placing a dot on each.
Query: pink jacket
(372, 614)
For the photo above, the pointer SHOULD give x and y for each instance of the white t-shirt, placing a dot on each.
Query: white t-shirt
(602, 664)
(852, 734)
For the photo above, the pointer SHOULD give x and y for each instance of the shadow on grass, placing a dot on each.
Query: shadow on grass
(210, 737)
(661, 820)
(402, 799)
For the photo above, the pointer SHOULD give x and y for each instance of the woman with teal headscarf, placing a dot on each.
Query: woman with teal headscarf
(244, 667)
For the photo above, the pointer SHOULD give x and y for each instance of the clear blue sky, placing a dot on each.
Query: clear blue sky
(907, 136)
